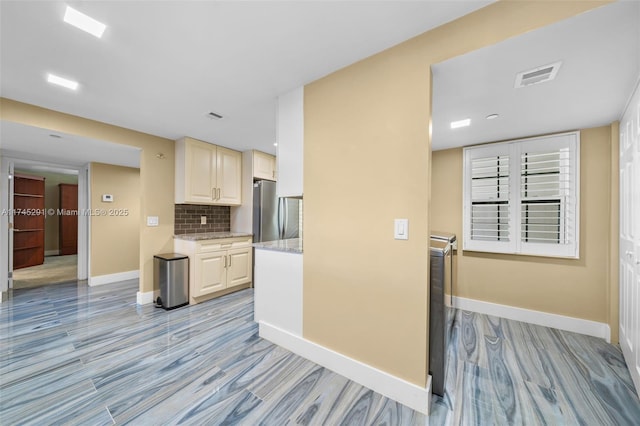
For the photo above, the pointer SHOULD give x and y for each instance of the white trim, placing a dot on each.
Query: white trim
(5, 258)
(147, 298)
(113, 278)
(84, 230)
(51, 252)
(576, 325)
(409, 394)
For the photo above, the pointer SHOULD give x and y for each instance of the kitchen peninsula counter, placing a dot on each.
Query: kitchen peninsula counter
(292, 245)
(278, 284)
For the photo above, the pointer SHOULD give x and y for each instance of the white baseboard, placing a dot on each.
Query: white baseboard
(576, 325)
(400, 390)
(147, 298)
(113, 278)
(51, 252)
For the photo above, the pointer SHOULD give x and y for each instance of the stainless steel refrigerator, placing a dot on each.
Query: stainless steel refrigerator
(274, 218)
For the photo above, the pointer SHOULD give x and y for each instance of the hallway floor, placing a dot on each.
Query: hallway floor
(509, 372)
(55, 269)
(72, 354)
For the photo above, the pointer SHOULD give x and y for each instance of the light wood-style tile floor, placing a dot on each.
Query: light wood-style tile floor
(71, 354)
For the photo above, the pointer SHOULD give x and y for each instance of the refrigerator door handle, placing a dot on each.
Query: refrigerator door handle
(279, 218)
(285, 224)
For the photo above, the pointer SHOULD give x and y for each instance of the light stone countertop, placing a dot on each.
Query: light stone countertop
(211, 236)
(292, 245)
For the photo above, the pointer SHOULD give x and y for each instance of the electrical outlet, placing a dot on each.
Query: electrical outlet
(203, 220)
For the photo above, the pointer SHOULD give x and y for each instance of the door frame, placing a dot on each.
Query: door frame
(629, 236)
(7, 164)
(6, 202)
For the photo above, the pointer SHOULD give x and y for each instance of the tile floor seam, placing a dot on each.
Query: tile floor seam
(110, 415)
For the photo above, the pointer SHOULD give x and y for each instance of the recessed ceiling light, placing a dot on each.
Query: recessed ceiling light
(460, 123)
(84, 22)
(275, 144)
(492, 116)
(69, 84)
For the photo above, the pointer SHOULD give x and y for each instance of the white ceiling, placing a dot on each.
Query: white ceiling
(600, 54)
(34, 143)
(161, 66)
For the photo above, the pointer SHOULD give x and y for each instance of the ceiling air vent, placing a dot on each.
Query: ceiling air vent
(537, 75)
(214, 116)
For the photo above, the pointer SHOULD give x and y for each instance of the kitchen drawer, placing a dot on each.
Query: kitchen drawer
(223, 244)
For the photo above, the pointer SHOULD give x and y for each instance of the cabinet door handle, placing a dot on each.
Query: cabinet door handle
(218, 189)
(229, 261)
(225, 261)
(213, 193)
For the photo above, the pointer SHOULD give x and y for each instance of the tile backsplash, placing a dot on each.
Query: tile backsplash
(188, 219)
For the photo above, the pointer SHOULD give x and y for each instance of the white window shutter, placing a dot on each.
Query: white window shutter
(549, 202)
(523, 196)
(488, 210)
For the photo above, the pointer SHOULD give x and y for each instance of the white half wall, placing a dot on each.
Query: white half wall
(147, 298)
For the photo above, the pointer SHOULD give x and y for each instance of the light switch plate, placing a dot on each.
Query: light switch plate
(401, 229)
(152, 221)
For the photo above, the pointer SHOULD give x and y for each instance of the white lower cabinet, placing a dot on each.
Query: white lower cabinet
(239, 267)
(216, 265)
(210, 273)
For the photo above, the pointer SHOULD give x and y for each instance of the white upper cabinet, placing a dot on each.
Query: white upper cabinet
(264, 166)
(228, 176)
(290, 138)
(207, 174)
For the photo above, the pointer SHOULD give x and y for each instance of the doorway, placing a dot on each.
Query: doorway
(42, 245)
(25, 146)
(45, 245)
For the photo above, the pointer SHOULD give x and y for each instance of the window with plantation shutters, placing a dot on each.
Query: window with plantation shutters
(490, 198)
(521, 197)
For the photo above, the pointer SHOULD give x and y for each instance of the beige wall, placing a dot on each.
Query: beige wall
(115, 236)
(366, 162)
(579, 288)
(156, 175)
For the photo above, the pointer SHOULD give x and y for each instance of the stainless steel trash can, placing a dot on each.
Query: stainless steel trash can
(171, 275)
(441, 311)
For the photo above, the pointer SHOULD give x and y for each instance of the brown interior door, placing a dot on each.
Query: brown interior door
(68, 231)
